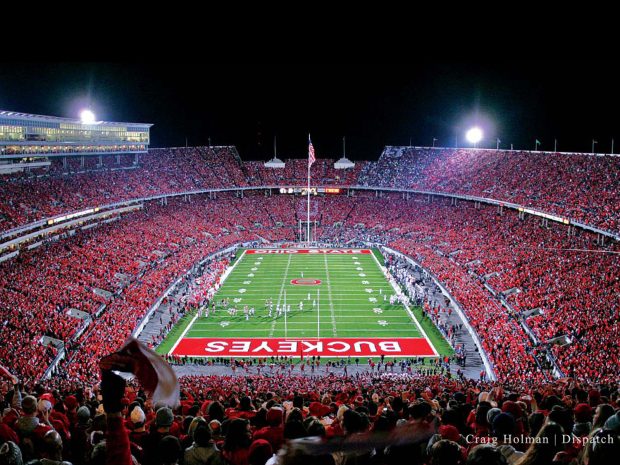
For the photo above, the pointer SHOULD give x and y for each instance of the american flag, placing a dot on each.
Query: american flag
(311, 158)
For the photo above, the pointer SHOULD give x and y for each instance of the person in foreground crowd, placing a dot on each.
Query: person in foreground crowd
(291, 420)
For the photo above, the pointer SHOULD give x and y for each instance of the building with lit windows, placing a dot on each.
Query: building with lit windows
(28, 141)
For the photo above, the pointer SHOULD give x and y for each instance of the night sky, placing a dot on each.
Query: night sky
(373, 105)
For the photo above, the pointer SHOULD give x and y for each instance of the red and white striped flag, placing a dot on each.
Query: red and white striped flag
(311, 158)
(5, 373)
(154, 373)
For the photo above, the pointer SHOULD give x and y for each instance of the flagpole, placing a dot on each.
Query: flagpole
(308, 218)
(285, 312)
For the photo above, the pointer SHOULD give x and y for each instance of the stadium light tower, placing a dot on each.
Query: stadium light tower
(87, 116)
(474, 135)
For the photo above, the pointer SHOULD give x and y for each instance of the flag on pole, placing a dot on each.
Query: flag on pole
(537, 142)
(311, 158)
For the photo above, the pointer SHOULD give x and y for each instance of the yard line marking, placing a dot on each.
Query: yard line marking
(329, 295)
(273, 323)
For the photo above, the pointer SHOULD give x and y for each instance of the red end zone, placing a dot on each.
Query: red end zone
(308, 251)
(327, 347)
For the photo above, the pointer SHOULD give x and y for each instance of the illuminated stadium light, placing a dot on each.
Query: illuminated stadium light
(474, 135)
(87, 117)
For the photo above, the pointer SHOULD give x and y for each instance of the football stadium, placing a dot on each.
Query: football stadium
(307, 286)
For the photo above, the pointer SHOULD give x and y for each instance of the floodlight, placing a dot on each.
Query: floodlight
(474, 135)
(87, 117)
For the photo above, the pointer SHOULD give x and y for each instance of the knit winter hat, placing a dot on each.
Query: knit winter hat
(260, 451)
(583, 413)
(137, 416)
(164, 417)
(83, 415)
(10, 454)
(613, 423)
(71, 402)
(491, 414)
(274, 416)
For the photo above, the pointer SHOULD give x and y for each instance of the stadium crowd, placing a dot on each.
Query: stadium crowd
(583, 187)
(530, 291)
(259, 419)
(477, 253)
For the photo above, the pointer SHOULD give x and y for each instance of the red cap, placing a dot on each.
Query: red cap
(48, 396)
(449, 432)
(319, 410)
(71, 402)
(275, 415)
(583, 413)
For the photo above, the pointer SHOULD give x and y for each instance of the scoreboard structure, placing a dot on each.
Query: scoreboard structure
(313, 190)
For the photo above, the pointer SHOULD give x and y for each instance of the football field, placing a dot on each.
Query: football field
(327, 302)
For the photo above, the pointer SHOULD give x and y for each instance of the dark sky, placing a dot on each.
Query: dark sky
(372, 105)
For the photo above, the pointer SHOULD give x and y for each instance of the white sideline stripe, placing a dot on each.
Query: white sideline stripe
(225, 275)
(397, 289)
(191, 323)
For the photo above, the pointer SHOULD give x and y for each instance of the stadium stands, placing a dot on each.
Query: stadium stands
(546, 265)
(533, 293)
(582, 187)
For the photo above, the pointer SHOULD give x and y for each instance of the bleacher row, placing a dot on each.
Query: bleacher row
(581, 187)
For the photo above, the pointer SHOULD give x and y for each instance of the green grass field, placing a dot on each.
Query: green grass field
(352, 301)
